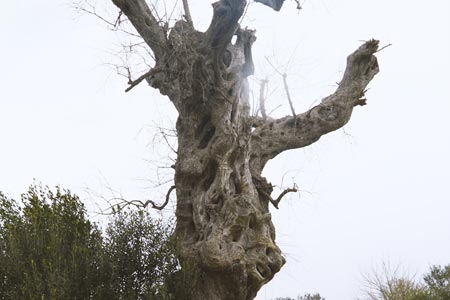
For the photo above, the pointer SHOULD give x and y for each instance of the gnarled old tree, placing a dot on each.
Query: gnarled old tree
(224, 226)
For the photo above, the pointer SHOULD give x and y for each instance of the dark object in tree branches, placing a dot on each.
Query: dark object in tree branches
(275, 4)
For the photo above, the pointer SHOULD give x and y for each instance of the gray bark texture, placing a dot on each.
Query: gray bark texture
(224, 226)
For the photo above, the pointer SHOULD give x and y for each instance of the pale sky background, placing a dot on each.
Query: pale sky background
(377, 190)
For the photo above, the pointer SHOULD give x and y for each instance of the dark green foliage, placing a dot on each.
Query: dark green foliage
(141, 256)
(49, 250)
(387, 284)
(438, 282)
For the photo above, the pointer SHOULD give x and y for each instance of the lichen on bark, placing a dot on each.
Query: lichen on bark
(224, 226)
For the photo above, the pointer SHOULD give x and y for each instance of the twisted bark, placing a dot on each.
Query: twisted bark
(224, 226)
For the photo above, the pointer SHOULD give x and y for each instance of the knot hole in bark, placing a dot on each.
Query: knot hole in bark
(204, 132)
(209, 175)
(227, 58)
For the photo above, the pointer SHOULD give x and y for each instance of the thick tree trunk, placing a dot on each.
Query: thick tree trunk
(224, 226)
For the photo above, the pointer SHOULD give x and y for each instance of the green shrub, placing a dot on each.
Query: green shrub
(48, 247)
(438, 282)
(141, 255)
(50, 250)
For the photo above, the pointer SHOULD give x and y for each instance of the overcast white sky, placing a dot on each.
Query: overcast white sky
(377, 190)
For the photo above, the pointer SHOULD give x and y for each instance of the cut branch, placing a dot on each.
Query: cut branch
(276, 136)
(145, 23)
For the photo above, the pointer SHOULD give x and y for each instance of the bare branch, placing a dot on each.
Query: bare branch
(134, 83)
(384, 47)
(262, 98)
(187, 12)
(290, 190)
(286, 87)
(93, 12)
(334, 111)
(160, 207)
(165, 136)
(139, 203)
(276, 202)
(288, 95)
(145, 23)
(271, 64)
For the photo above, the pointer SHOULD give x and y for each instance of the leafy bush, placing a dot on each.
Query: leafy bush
(141, 256)
(438, 282)
(388, 284)
(50, 250)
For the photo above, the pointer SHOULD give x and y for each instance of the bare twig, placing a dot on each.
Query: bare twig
(92, 11)
(118, 21)
(274, 109)
(384, 47)
(286, 87)
(275, 68)
(164, 135)
(288, 95)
